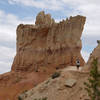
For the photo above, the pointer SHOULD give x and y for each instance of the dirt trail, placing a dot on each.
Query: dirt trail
(74, 68)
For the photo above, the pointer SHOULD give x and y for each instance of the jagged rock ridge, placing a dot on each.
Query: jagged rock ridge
(48, 43)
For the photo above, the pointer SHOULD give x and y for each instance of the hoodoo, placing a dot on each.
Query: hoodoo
(41, 50)
(48, 44)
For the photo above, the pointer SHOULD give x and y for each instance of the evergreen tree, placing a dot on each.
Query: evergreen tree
(93, 84)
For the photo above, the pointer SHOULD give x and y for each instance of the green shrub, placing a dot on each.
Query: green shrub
(55, 75)
(19, 98)
(45, 98)
(93, 84)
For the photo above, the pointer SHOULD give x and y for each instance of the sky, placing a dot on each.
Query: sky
(15, 12)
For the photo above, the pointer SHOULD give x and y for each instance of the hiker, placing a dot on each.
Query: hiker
(36, 68)
(78, 63)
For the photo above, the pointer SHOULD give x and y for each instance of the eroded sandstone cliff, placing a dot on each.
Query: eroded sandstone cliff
(48, 43)
(41, 49)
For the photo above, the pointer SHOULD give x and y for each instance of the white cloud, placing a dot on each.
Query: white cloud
(43, 4)
(6, 54)
(5, 67)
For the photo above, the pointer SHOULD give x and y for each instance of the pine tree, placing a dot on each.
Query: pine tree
(93, 84)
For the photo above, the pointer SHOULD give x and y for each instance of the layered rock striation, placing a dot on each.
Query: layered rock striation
(48, 44)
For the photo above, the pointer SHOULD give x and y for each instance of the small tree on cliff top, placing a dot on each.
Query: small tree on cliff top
(93, 84)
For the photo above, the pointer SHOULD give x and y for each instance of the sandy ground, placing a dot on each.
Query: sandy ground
(55, 89)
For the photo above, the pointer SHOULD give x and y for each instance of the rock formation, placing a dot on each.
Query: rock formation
(44, 20)
(48, 43)
(41, 50)
(93, 55)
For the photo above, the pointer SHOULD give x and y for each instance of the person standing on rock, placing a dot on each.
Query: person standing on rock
(36, 68)
(78, 63)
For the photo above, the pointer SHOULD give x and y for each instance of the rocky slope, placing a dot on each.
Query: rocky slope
(60, 88)
(41, 50)
(93, 55)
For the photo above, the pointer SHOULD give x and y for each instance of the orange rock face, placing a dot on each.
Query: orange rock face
(41, 49)
(48, 43)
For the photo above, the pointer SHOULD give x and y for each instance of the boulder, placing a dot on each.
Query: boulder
(70, 82)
